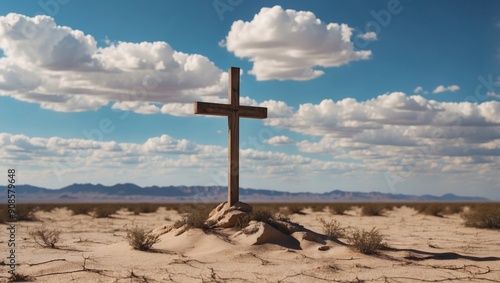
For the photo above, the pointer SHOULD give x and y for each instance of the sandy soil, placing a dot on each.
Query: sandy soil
(422, 249)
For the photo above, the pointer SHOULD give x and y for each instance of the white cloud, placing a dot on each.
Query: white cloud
(289, 44)
(402, 150)
(277, 109)
(137, 107)
(77, 160)
(167, 144)
(280, 140)
(63, 69)
(420, 89)
(492, 94)
(178, 109)
(370, 36)
(394, 120)
(441, 88)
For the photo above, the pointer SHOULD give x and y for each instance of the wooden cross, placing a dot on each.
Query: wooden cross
(233, 111)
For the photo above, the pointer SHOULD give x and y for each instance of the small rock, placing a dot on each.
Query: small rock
(324, 248)
(227, 217)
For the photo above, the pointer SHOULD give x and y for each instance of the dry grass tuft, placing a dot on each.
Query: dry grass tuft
(454, 209)
(332, 229)
(104, 211)
(483, 216)
(26, 212)
(143, 208)
(318, 207)
(194, 217)
(4, 215)
(80, 209)
(295, 209)
(372, 210)
(340, 208)
(271, 217)
(366, 242)
(140, 239)
(432, 209)
(45, 237)
(19, 277)
(243, 222)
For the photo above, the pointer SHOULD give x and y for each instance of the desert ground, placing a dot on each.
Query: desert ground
(418, 247)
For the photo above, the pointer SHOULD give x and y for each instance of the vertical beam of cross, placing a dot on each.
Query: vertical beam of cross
(234, 137)
(233, 111)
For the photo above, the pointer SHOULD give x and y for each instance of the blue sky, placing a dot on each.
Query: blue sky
(392, 96)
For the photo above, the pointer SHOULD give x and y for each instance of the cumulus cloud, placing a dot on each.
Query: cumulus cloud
(280, 140)
(167, 144)
(420, 89)
(277, 109)
(77, 160)
(442, 88)
(63, 69)
(405, 150)
(137, 107)
(492, 94)
(289, 44)
(370, 36)
(396, 121)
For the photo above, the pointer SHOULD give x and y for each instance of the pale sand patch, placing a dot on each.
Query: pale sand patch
(423, 248)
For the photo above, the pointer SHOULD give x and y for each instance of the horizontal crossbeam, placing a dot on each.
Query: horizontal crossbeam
(217, 109)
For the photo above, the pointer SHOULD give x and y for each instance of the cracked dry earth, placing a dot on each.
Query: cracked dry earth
(421, 249)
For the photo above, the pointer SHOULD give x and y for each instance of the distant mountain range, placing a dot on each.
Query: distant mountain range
(78, 193)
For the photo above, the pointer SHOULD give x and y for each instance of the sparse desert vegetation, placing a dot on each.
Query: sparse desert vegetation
(194, 216)
(333, 228)
(80, 209)
(339, 208)
(366, 241)
(351, 243)
(105, 210)
(26, 212)
(143, 208)
(372, 209)
(45, 237)
(19, 277)
(483, 216)
(141, 239)
(273, 218)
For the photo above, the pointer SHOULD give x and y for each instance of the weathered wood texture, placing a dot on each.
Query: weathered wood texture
(233, 111)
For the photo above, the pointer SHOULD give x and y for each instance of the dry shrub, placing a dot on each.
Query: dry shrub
(80, 209)
(295, 209)
(372, 210)
(366, 242)
(318, 207)
(272, 218)
(140, 239)
(340, 208)
(25, 212)
(19, 277)
(262, 215)
(483, 216)
(194, 217)
(243, 222)
(4, 215)
(104, 211)
(268, 215)
(332, 229)
(142, 208)
(433, 209)
(45, 237)
(454, 208)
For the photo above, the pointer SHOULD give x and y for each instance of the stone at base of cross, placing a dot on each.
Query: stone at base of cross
(226, 216)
